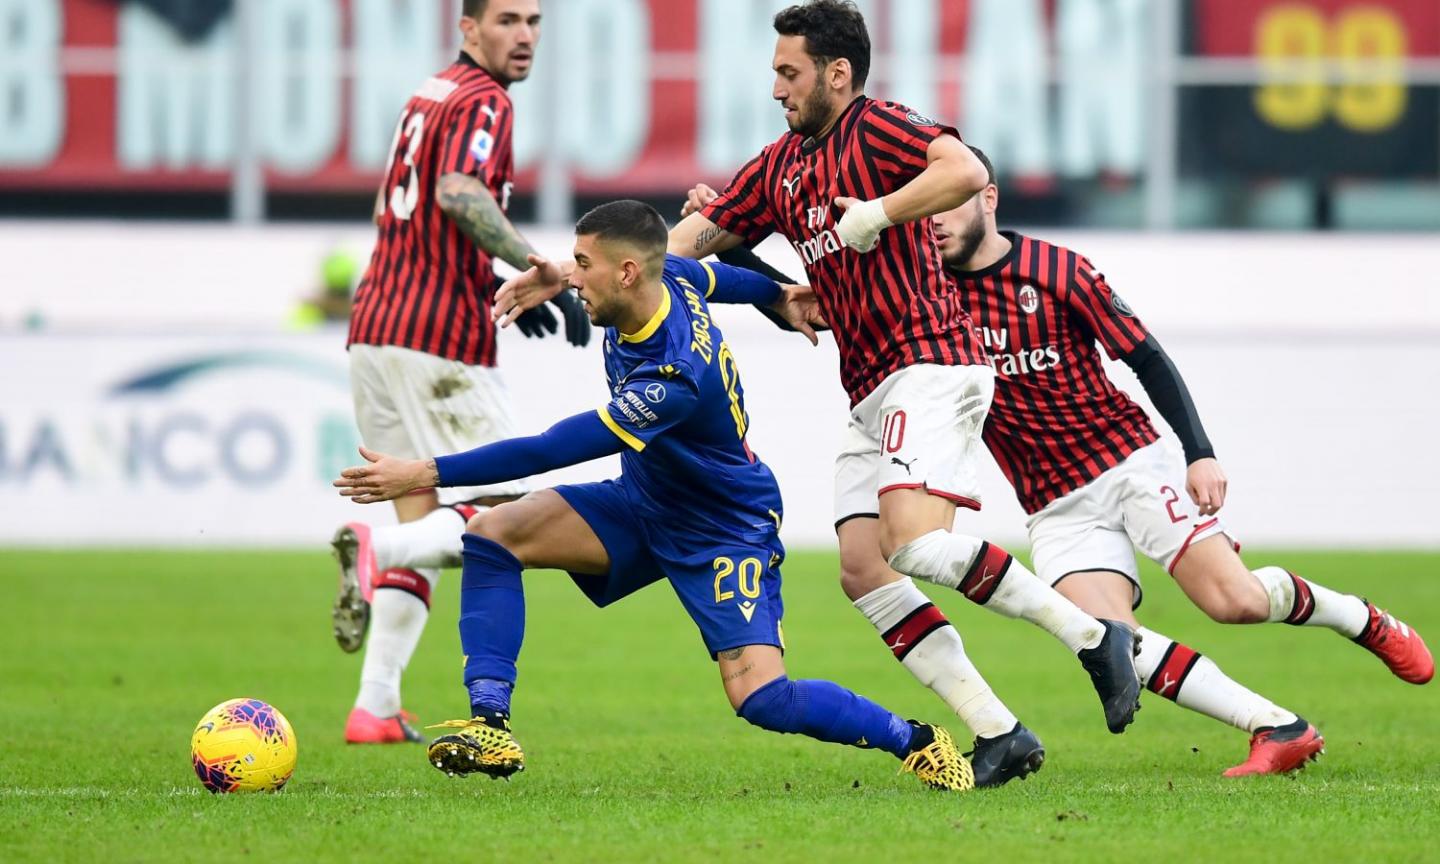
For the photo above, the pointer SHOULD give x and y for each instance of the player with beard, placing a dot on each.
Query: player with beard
(693, 506)
(422, 344)
(852, 185)
(1097, 481)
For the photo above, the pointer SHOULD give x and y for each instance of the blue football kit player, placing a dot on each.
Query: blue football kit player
(692, 505)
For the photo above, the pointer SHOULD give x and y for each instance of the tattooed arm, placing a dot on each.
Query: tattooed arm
(696, 237)
(471, 207)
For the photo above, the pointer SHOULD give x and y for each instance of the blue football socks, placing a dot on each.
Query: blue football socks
(828, 712)
(492, 623)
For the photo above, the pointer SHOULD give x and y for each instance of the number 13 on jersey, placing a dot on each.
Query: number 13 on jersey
(406, 193)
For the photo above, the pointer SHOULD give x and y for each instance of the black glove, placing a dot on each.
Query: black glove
(537, 322)
(577, 320)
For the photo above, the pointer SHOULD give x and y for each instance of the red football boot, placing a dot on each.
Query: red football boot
(1398, 645)
(350, 616)
(1280, 749)
(362, 727)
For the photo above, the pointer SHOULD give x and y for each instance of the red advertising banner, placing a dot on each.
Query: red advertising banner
(1246, 28)
(642, 96)
(646, 94)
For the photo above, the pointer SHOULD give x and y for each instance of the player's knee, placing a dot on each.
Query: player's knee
(1237, 601)
(906, 515)
(890, 542)
(502, 525)
(862, 574)
(898, 534)
(771, 707)
(893, 538)
(1100, 593)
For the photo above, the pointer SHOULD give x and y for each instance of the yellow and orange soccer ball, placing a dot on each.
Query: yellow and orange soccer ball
(243, 745)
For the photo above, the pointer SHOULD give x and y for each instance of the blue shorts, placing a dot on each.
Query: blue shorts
(730, 587)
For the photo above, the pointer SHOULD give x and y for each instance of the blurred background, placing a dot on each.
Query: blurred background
(185, 188)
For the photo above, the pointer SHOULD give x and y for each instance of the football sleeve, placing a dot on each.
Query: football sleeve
(1108, 318)
(744, 258)
(1121, 333)
(721, 283)
(1163, 384)
(571, 441)
(652, 400)
(896, 140)
(743, 208)
(477, 137)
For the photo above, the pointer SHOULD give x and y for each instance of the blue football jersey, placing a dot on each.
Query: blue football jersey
(680, 407)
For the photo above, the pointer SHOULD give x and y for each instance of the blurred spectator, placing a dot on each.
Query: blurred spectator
(331, 300)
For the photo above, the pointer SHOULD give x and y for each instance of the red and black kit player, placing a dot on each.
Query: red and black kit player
(422, 345)
(851, 186)
(1098, 482)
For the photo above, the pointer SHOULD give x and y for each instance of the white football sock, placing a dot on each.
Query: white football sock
(925, 643)
(431, 541)
(1301, 602)
(397, 618)
(1192, 680)
(989, 576)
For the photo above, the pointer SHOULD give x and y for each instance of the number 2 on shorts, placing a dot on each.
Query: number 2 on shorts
(1171, 499)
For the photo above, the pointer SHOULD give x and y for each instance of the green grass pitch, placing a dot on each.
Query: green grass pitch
(107, 660)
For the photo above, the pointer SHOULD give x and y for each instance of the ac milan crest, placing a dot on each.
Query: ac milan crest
(1029, 299)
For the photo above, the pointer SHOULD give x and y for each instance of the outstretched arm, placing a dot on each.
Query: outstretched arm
(697, 237)
(794, 307)
(476, 212)
(744, 257)
(573, 440)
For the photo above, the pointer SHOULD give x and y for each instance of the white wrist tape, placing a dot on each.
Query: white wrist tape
(861, 225)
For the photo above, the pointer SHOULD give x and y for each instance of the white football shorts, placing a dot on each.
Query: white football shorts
(416, 405)
(920, 429)
(1139, 504)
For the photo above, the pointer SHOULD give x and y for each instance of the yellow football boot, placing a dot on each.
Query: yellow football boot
(937, 762)
(476, 747)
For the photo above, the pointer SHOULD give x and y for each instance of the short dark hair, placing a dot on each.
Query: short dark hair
(832, 29)
(984, 160)
(473, 8)
(632, 222)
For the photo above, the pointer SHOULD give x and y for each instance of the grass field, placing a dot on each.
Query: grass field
(108, 659)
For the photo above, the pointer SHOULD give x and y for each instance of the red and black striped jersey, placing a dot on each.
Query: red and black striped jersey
(428, 286)
(1057, 421)
(891, 307)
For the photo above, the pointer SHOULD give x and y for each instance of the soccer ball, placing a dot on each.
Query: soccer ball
(243, 745)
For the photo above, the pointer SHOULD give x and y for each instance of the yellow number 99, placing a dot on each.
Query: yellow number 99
(1289, 40)
(1293, 41)
(1370, 101)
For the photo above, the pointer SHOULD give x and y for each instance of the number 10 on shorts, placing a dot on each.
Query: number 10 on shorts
(892, 435)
